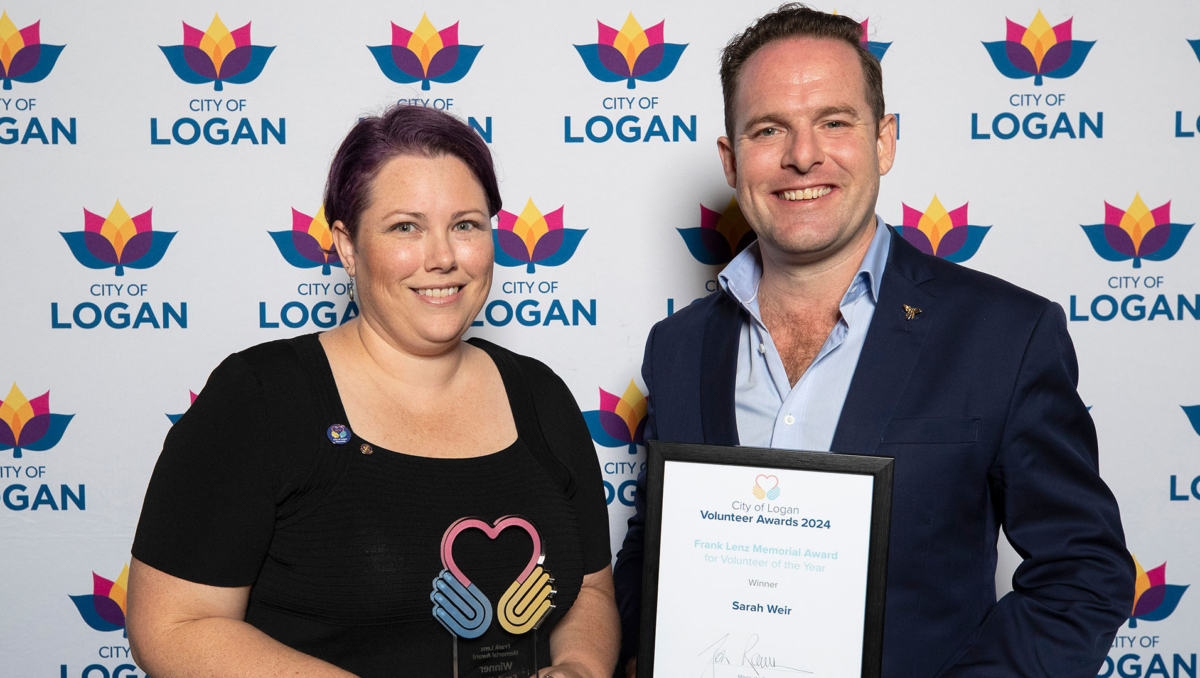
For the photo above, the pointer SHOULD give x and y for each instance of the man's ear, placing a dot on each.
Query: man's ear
(728, 161)
(885, 145)
(344, 245)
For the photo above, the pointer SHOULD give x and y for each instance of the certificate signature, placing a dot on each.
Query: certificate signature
(732, 657)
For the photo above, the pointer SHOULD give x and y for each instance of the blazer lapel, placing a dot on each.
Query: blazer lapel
(890, 352)
(718, 372)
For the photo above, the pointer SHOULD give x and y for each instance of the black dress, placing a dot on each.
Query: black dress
(341, 542)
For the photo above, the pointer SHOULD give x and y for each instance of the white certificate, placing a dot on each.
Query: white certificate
(763, 570)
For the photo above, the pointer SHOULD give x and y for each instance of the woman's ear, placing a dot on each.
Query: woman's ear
(344, 245)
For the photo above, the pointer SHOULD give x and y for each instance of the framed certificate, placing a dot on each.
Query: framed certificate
(763, 563)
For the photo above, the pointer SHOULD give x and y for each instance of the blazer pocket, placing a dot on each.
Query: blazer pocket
(932, 430)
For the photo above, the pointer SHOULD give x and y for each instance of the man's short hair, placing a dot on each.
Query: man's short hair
(796, 20)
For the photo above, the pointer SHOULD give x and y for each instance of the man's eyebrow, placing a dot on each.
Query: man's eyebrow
(760, 119)
(828, 111)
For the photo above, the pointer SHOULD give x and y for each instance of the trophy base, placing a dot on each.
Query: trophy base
(496, 655)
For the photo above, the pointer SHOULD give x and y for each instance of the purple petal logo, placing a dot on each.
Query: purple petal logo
(425, 54)
(1039, 51)
(940, 233)
(118, 241)
(620, 421)
(630, 54)
(877, 49)
(1137, 233)
(175, 417)
(104, 609)
(217, 55)
(1153, 598)
(23, 57)
(310, 242)
(28, 424)
(721, 235)
(1193, 415)
(532, 239)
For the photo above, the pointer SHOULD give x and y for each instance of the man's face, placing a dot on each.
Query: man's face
(807, 154)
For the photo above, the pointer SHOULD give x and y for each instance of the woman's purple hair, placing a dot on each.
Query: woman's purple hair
(401, 130)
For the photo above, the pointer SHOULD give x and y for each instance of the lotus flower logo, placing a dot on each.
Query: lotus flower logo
(118, 241)
(1193, 415)
(878, 49)
(942, 234)
(533, 239)
(1137, 233)
(721, 235)
(1153, 598)
(217, 55)
(1039, 51)
(28, 425)
(630, 54)
(310, 242)
(425, 54)
(104, 609)
(620, 421)
(23, 57)
(175, 417)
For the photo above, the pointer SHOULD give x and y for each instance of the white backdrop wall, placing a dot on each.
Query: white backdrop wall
(96, 127)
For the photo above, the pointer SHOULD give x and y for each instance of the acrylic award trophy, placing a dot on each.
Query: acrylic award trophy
(500, 643)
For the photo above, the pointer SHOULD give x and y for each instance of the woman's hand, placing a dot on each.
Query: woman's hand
(585, 643)
(566, 670)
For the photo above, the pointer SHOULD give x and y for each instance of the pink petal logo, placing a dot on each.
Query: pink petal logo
(118, 241)
(1137, 233)
(104, 609)
(1153, 598)
(217, 55)
(630, 54)
(175, 417)
(310, 242)
(721, 235)
(765, 487)
(425, 54)
(940, 233)
(28, 424)
(1041, 50)
(877, 49)
(532, 239)
(620, 421)
(23, 57)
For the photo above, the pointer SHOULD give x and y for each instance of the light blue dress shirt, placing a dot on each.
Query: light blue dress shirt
(770, 411)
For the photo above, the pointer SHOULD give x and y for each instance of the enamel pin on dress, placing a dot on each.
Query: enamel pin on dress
(910, 312)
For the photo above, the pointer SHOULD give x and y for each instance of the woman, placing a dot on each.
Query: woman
(333, 504)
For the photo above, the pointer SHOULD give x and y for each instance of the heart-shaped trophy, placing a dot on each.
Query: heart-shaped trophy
(766, 487)
(480, 648)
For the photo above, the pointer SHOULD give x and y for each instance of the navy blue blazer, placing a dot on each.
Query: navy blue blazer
(975, 399)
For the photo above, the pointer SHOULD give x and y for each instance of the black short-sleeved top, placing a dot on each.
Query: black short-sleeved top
(340, 547)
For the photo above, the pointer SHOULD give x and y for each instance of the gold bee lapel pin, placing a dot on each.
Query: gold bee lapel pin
(910, 312)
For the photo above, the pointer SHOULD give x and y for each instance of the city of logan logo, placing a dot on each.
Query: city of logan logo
(1039, 51)
(28, 424)
(1153, 598)
(765, 487)
(943, 234)
(620, 421)
(118, 241)
(877, 49)
(630, 54)
(176, 417)
(532, 239)
(720, 236)
(425, 54)
(23, 56)
(217, 55)
(310, 242)
(1137, 233)
(104, 609)
(1195, 47)
(1193, 415)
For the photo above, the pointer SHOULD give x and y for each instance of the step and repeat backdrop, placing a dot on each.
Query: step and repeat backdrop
(160, 207)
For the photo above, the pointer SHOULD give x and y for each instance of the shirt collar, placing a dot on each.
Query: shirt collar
(741, 276)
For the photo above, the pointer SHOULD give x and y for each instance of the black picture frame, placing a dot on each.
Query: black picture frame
(879, 468)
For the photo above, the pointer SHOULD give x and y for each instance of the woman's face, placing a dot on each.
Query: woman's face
(422, 257)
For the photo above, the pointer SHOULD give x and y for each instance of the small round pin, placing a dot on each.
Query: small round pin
(338, 434)
(365, 448)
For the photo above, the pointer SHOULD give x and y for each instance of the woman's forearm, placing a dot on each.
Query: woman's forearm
(589, 637)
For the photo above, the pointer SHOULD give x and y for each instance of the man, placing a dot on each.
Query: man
(833, 333)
